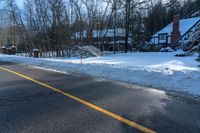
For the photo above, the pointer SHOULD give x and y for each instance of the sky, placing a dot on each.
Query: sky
(19, 2)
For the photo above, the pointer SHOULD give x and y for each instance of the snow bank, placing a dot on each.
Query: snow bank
(161, 70)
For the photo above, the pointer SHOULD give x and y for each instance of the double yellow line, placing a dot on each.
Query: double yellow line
(106, 112)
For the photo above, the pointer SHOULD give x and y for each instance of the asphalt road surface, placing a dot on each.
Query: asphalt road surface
(33, 100)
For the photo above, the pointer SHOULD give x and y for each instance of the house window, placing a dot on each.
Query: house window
(162, 37)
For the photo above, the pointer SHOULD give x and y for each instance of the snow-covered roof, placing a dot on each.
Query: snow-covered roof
(35, 49)
(101, 33)
(185, 25)
(121, 41)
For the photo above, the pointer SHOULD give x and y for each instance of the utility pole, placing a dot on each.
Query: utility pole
(127, 25)
(115, 19)
(2, 22)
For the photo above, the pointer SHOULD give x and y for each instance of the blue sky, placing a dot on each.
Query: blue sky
(19, 2)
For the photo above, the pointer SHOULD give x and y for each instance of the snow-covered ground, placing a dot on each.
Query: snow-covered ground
(161, 70)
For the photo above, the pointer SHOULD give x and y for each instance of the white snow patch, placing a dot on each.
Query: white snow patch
(160, 70)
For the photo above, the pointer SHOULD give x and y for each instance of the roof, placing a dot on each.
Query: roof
(121, 41)
(9, 45)
(35, 49)
(185, 25)
(101, 33)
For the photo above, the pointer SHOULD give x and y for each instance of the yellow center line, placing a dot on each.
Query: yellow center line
(106, 112)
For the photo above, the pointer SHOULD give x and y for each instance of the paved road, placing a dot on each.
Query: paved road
(29, 107)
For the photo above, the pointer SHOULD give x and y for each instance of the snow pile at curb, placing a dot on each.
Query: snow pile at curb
(161, 70)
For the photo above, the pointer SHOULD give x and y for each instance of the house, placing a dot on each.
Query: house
(8, 49)
(176, 31)
(104, 39)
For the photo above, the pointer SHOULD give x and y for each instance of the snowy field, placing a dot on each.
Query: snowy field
(160, 70)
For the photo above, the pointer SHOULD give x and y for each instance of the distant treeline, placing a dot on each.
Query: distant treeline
(50, 25)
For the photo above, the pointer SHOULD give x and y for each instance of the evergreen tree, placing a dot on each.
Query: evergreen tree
(174, 8)
(156, 19)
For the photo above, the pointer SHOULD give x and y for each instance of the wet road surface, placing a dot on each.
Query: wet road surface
(28, 107)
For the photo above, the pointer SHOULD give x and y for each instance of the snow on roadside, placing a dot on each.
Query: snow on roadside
(161, 70)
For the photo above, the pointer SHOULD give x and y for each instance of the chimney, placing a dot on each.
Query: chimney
(175, 30)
